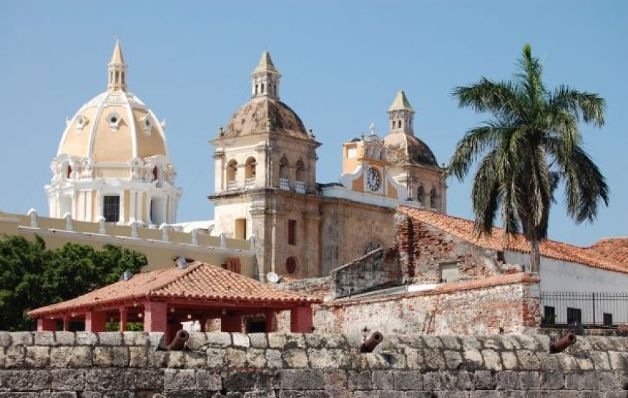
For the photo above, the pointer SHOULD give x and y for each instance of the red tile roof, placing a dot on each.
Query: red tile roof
(615, 248)
(199, 282)
(464, 229)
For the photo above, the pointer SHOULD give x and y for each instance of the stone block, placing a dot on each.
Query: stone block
(24, 380)
(507, 380)
(407, 380)
(68, 379)
(334, 341)
(493, 342)
(552, 380)
(492, 360)
(215, 357)
(295, 340)
(529, 381)
(528, 360)
(135, 338)
(470, 343)
(176, 359)
(14, 356)
(509, 360)
(60, 357)
(179, 380)
(86, 338)
(359, 380)
(296, 379)
(453, 359)
(156, 359)
(156, 340)
(207, 381)
(107, 357)
(432, 381)
(44, 338)
(110, 338)
(618, 360)
(434, 359)
(258, 340)
(22, 338)
(414, 358)
(37, 356)
(473, 359)
(255, 358)
(138, 357)
(335, 380)
(608, 381)
(313, 340)
(433, 342)
(5, 339)
(383, 380)
(273, 359)
(240, 340)
(485, 380)
(235, 358)
(65, 338)
(528, 342)
(194, 359)
(600, 360)
(276, 340)
(295, 358)
(327, 358)
(581, 381)
(451, 342)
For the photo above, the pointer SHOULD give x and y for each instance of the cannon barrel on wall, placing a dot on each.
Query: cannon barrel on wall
(369, 343)
(561, 344)
(179, 340)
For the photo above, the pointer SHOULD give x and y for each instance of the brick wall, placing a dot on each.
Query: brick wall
(423, 248)
(73, 365)
(508, 303)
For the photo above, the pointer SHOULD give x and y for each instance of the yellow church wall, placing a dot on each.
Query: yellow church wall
(391, 191)
(127, 206)
(147, 144)
(357, 185)
(113, 145)
(77, 141)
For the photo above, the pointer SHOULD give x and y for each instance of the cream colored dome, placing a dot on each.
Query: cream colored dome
(403, 148)
(115, 126)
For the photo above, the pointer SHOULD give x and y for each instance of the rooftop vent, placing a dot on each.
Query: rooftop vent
(182, 262)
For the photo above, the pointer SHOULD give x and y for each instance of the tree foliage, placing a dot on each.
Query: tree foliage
(530, 146)
(33, 276)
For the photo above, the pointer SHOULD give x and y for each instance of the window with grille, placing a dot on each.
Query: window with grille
(549, 315)
(292, 232)
(608, 319)
(111, 208)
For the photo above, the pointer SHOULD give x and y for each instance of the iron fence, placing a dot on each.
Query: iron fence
(584, 309)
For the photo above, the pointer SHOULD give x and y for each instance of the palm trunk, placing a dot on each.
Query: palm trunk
(535, 256)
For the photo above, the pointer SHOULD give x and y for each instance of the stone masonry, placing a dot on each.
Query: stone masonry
(73, 365)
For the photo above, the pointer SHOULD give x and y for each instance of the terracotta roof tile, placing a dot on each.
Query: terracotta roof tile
(199, 281)
(464, 229)
(615, 248)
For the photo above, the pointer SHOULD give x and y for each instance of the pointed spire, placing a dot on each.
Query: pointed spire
(116, 57)
(265, 64)
(265, 78)
(400, 103)
(117, 69)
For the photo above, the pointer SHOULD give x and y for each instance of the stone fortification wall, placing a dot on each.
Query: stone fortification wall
(66, 364)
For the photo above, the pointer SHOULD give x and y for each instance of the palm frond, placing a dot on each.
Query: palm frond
(589, 106)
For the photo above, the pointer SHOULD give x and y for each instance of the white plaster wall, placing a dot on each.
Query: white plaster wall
(557, 275)
(225, 215)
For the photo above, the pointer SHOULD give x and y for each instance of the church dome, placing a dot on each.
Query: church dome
(263, 115)
(404, 148)
(265, 112)
(114, 126)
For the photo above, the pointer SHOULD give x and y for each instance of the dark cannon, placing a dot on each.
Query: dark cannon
(369, 343)
(179, 341)
(562, 343)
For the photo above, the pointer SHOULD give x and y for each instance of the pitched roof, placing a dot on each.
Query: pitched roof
(464, 229)
(400, 103)
(117, 57)
(197, 282)
(615, 248)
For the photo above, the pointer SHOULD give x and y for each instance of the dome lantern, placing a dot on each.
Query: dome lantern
(117, 70)
(265, 78)
(401, 115)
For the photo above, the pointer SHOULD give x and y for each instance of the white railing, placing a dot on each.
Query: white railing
(249, 182)
(231, 185)
(299, 186)
(284, 183)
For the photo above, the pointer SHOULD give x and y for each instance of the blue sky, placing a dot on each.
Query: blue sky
(342, 63)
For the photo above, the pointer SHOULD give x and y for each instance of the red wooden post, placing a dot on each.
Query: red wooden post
(66, 323)
(269, 322)
(95, 321)
(231, 323)
(123, 319)
(44, 324)
(301, 319)
(155, 317)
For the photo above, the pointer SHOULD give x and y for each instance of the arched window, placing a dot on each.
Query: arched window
(232, 170)
(256, 89)
(249, 171)
(300, 175)
(291, 265)
(420, 195)
(262, 88)
(283, 168)
(433, 199)
(68, 172)
(400, 124)
(155, 173)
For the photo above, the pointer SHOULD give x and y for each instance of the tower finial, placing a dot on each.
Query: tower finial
(117, 69)
(265, 78)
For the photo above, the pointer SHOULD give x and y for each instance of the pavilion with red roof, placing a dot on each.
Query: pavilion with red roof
(164, 298)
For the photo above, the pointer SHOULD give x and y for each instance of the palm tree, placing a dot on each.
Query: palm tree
(531, 145)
